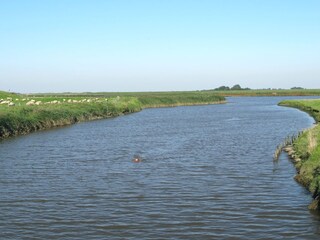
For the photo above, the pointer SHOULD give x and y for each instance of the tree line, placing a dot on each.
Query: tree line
(235, 87)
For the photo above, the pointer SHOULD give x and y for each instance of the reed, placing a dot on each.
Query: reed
(285, 145)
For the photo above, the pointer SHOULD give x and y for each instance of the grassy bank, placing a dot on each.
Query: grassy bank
(22, 114)
(149, 99)
(23, 118)
(170, 99)
(306, 150)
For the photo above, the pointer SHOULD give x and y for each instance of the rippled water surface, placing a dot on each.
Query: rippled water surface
(206, 173)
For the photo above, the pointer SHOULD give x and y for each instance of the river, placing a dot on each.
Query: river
(206, 173)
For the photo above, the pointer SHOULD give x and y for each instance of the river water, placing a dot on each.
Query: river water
(206, 173)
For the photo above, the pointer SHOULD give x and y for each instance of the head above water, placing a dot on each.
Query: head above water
(136, 159)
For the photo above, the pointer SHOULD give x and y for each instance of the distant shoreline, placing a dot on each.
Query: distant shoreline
(223, 93)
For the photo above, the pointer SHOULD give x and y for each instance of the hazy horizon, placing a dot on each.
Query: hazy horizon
(144, 45)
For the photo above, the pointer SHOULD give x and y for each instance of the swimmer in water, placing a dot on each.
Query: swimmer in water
(136, 159)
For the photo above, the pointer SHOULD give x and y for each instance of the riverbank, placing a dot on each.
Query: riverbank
(305, 150)
(22, 114)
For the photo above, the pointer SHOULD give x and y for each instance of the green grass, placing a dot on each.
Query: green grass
(147, 99)
(5, 95)
(271, 92)
(311, 106)
(22, 119)
(307, 147)
(252, 92)
(165, 99)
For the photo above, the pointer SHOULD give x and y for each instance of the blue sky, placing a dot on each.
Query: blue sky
(156, 45)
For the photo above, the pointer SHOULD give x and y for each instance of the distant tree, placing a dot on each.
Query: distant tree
(296, 88)
(222, 88)
(236, 87)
